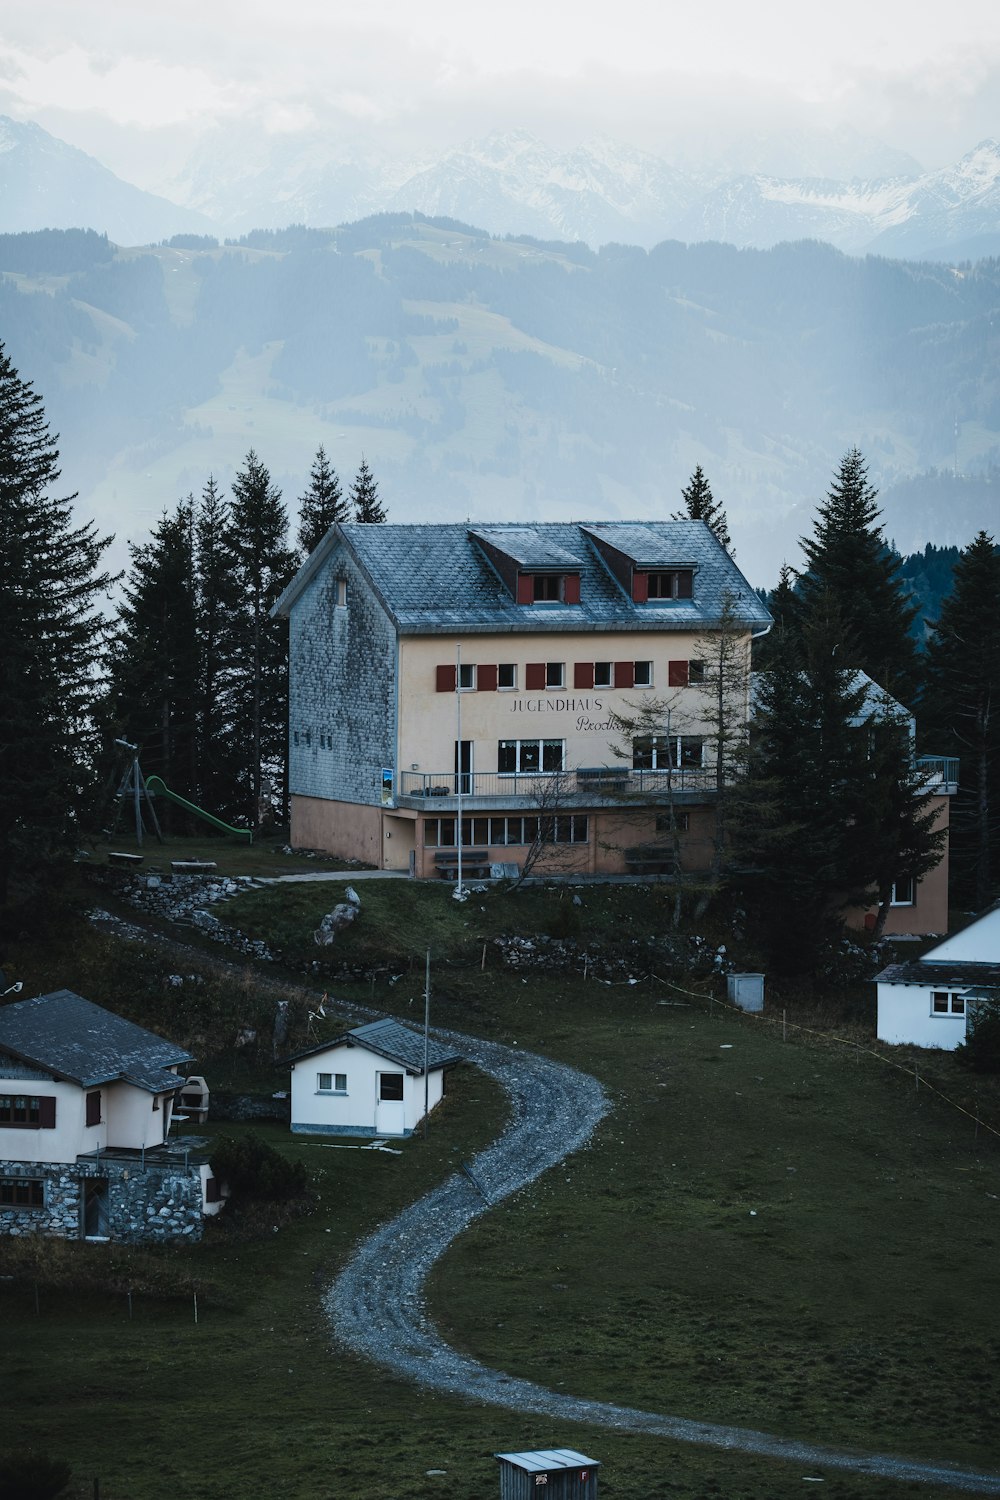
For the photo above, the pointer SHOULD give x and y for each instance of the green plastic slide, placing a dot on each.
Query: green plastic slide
(156, 785)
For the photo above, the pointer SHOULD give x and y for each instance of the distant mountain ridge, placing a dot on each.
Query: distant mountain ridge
(598, 192)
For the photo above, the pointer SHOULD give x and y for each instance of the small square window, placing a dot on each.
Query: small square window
(958, 1005)
(506, 676)
(602, 674)
(696, 671)
(902, 893)
(467, 678)
(547, 587)
(340, 1083)
(555, 674)
(939, 1002)
(643, 674)
(324, 1082)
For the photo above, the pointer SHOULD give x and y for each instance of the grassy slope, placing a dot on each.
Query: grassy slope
(853, 1307)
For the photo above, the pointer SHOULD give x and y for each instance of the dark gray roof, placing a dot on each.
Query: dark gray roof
(955, 975)
(392, 1040)
(81, 1041)
(435, 579)
(549, 1460)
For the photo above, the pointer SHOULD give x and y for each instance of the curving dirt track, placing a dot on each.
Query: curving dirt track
(376, 1305)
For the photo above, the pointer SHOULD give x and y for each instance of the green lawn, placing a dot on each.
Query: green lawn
(788, 1236)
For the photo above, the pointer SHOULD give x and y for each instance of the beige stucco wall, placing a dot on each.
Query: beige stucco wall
(428, 725)
(343, 828)
(929, 912)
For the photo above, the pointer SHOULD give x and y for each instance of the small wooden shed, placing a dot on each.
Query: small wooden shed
(556, 1473)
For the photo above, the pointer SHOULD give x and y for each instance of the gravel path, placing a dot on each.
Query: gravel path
(376, 1304)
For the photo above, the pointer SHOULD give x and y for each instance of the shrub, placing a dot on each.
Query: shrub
(255, 1171)
(981, 1049)
(32, 1476)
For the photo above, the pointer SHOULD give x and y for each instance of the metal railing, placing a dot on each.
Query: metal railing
(586, 784)
(940, 772)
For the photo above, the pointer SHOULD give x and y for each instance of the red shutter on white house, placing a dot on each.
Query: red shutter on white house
(677, 674)
(525, 588)
(47, 1112)
(583, 674)
(624, 674)
(486, 679)
(534, 676)
(571, 588)
(640, 588)
(446, 679)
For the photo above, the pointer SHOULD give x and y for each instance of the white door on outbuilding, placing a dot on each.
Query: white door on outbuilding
(390, 1118)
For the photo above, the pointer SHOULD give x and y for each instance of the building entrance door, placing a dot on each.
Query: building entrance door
(95, 1208)
(390, 1118)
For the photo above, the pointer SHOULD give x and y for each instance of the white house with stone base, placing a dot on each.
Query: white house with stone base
(368, 1082)
(927, 1002)
(85, 1107)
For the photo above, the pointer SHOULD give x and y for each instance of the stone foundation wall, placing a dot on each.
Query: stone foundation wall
(157, 1203)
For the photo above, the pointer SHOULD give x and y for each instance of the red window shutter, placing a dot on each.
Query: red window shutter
(525, 588)
(486, 679)
(624, 674)
(583, 674)
(94, 1108)
(677, 674)
(47, 1112)
(534, 676)
(640, 588)
(446, 679)
(571, 588)
(685, 588)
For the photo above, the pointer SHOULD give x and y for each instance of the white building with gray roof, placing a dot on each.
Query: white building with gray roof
(469, 682)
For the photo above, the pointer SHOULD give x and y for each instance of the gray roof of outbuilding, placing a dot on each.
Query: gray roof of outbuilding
(76, 1039)
(549, 1460)
(943, 975)
(392, 1040)
(435, 580)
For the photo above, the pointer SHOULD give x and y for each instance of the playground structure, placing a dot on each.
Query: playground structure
(140, 791)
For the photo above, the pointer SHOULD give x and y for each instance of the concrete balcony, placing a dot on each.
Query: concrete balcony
(588, 786)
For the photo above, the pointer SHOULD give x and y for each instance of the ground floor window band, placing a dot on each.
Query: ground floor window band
(558, 828)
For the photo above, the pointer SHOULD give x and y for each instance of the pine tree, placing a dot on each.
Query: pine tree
(848, 557)
(322, 504)
(154, 655)
(784, 608)
(701, 505)
(364, 497)
(257, 685)
(50, 639)
(961, 714)
(215, 588)
(723, 685)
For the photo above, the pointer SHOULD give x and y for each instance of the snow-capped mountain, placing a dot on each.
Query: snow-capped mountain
(46, 184)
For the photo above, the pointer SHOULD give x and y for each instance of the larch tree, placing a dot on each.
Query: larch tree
(257, 659)
(701, 505)
(961, 714)
(322, 504)
(52, 636)
(364, 497)
(847, 556)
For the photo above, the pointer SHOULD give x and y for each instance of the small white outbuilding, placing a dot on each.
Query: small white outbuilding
(927, 1002)
(368, 1082)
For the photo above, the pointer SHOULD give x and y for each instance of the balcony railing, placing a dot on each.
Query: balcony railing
(585, 786)
(940, 773)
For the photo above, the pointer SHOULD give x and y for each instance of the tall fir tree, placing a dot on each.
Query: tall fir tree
(701, 505)
(364, 497)
(961, 715)
(51, 637)
(847, 556)
(322, 504)
(257, 667)
(153, 673)
(216, 597)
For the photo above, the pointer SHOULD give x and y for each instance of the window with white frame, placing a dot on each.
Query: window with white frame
(467, 678)
(903, 892)
(555, 674)
(331, 1083)
(662, 752)
(643, 673)
(530, 755)
(945, 1004)
(507, 676)
(603, 674)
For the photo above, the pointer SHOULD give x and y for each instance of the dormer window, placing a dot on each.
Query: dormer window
(548, 588)
(670, 583)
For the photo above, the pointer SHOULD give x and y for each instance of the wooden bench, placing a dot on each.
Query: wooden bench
(193, 866)
(125, 859)
(650, 859)
(475, 863)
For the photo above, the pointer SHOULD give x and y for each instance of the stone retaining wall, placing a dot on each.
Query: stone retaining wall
(153, 1202)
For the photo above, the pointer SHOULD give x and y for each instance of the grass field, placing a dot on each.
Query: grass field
(786, 1235)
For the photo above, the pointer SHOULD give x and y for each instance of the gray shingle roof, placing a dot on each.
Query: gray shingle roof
(956, 975)
(394, 1041)
(76, 1039)
(435, 579)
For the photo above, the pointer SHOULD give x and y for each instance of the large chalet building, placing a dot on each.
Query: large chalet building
(453, 681)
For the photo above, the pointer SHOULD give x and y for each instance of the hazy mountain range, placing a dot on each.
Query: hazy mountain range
(513, 183)
(482, 376)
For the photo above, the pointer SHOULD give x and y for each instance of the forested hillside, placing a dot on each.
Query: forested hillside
(479, 375)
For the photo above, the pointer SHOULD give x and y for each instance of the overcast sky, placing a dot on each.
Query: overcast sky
(137, 85)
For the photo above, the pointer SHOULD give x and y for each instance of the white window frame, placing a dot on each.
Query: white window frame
(467, 677)
(647, 674)
(553, 670)
(336, 1083)
(540, 770)
(511, 686)
(907, 884)
(954, 1005)
(604, 674)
